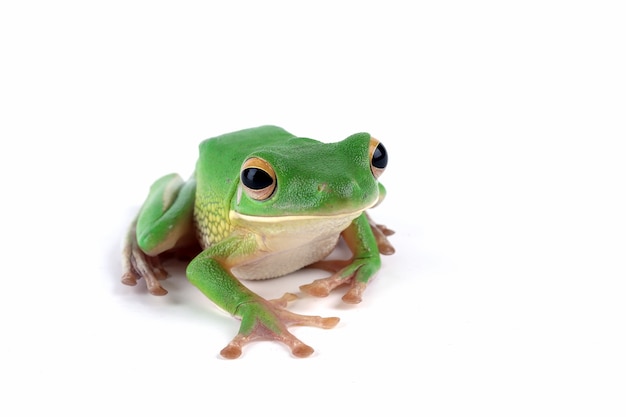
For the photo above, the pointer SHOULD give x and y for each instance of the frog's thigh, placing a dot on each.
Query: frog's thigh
(166, 215)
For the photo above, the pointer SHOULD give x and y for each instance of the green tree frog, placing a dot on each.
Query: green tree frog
(263, 203)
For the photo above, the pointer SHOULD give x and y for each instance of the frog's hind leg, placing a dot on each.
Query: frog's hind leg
(163, 226)
(136, 264)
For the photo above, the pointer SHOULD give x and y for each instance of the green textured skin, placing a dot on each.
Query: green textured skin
(313, 179)
(166, 215)
(301, 165)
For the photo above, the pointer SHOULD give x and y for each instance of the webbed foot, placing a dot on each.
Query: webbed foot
(323, 287)
(136, 264)
(268, 320)
(345, 272)
(356, 271)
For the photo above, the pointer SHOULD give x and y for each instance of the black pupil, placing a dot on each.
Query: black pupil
(256, 178)
(379, 159)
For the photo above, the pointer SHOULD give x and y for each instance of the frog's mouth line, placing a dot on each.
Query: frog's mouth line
(268, 219)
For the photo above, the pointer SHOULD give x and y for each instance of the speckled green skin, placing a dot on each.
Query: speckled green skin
(301, 165)
(315, 182)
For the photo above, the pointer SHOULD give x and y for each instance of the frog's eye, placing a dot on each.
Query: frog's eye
(378, 157)
(258, 178)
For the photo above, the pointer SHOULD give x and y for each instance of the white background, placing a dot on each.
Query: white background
(505, 125)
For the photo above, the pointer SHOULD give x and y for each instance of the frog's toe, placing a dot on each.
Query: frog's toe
(317, 288)
(294, 319)
(233, 350)
(146, 268)
(380, 234)
(354, 294)
(386, 231)
(298, 349)
(328, 322)
(157, 290)
(269, 320)
(129, 278)
(322, 287)
(136, 264)
(157, 268)
(301, 350)
(284, 300)
(385, 248)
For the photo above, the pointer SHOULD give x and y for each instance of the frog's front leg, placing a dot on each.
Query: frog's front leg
(164, 222)
(260, 319)
(364, 238)
(381, 232)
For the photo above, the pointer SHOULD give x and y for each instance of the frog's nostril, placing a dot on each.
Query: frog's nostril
(322, 187)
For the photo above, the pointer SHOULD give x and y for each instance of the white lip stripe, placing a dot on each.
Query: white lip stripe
(268, 219)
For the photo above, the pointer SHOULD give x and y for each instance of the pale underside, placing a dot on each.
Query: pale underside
(289, 243)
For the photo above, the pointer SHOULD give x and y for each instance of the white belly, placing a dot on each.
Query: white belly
(291, 243)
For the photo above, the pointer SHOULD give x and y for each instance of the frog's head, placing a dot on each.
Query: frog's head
(303, 177)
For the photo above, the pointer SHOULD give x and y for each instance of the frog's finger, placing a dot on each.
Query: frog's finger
(323, 286)
(354, 294)
(266, 320)
(284, 300)
(364, 239)
(294, 319)
(234, 349)
(357, 274)
(298, 349)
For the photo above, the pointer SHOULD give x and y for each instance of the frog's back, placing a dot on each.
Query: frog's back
(239, 144)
